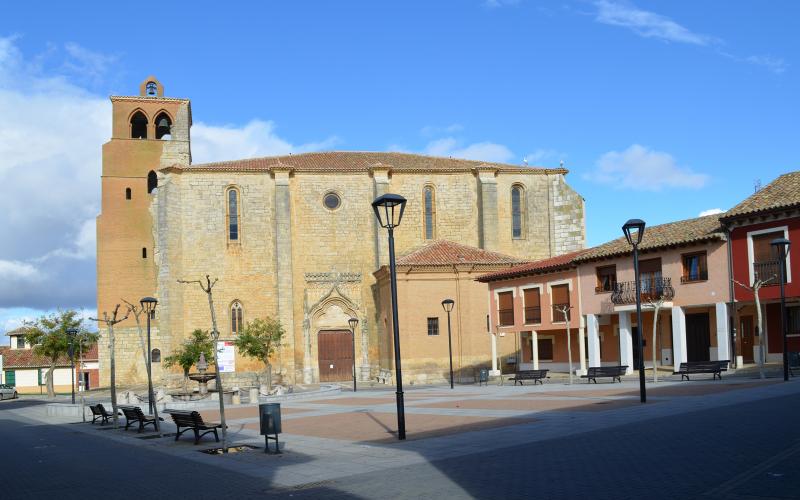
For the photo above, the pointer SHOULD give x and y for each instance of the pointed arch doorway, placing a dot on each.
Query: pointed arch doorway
(335, 353)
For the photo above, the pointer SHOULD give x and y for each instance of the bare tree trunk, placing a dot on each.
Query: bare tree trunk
(655, 332)
(113, 374)
(760, 326)
(51, 391)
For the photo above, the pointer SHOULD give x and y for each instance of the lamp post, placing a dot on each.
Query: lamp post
(781, 247)
(71, 334)
(353, 324)
(447, 305)
(389, 211)
(149, 308)
(634, 232)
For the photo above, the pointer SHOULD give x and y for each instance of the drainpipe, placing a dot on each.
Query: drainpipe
(732, 313)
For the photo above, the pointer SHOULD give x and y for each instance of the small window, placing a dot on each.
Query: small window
(517, 211)
(533, 309)
(236, 318)
(153, 314)
(332, 201)
(139, 126)
(155, 356)
(152, 181)
(505, 308)
(560, 299)
(20, 342)
(128, 193)
(606, 279)
(430, 212)
(233, 215)
(144, 253)
(695, 267)
(433, 326)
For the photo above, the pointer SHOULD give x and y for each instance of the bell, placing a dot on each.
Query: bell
(163, 122)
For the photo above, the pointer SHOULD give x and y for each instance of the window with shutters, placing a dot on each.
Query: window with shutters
(695, 267)
(606, 279)
(533, 306)
(560, 295)
(764, 259)
(505, 308)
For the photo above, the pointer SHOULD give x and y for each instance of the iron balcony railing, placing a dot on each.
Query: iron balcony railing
(506, 317)
(652, 289)
(533, 315)
(767, 271)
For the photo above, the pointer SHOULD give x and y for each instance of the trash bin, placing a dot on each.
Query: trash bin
(483, 376)
(269, 415)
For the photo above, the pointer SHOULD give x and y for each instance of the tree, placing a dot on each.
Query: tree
(189, 353)
(260, 339)
(656, 304)
(48, 334)
(755, 288)
(110, 322)
(564, 310)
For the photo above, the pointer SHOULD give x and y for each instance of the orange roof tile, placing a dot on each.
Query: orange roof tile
(557, 263)
(444, 253)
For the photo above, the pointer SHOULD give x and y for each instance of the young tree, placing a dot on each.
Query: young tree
(260, 339)
(49, 337)
(110, 322)
(564, 310)
(656, 304)
(755, 288)
(189, 353)
(137, 312)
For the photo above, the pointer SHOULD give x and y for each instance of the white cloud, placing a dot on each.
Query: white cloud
(13, 270)
(499, 3)
(430, 130)
(644, 169)
(542, 156)
(711, 211)
(257, 138)
(647, 24)
(482, 151)
(774, 64)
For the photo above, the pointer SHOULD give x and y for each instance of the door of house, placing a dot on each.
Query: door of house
(698, 337)
(11, 377)
(335, 355)
(746, 329)
(545, 348)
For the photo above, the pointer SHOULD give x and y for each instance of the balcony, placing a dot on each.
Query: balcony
(506, 317)
(652, 289)
(767, 271)
(533, 315)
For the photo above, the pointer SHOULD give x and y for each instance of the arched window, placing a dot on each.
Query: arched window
(139, 126)
(155, 356)
(517, 211)
(152, 181)
(236, 317)
(233, 214)
(429, 205)
(128, 193)
(163, 126)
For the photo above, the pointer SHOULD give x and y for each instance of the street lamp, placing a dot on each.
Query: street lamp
(389, 211)
(149, 308)
(220, 392)
(781, 247)
(447, 305)
(634, 232)
(71, 334)
(353, 324)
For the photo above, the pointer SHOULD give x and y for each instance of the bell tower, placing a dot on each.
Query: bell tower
(149, 132)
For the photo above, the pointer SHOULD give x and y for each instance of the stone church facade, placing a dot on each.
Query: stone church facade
(292, 237)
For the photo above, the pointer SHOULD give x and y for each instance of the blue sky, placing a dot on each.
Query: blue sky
(661, 110)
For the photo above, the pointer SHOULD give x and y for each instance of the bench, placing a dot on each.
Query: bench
(692, 367)
(794, 363)
(135, 414)
(194, 421)
(535, 375)
(612, 372)
(99, 411)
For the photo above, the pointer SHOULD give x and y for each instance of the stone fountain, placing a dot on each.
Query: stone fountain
(202, 378)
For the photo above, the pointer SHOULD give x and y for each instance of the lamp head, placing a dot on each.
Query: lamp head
(389, 209)
(781, 247)
(353, 323)
(634, 231)
(148, 305)
(447, 305)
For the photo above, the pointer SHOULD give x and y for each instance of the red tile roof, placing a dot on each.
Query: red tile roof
(360, 161)
(444, 253)
(557, 263)
(27, 358)
(780, 194)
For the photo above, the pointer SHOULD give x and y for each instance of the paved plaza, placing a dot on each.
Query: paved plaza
(735, 438)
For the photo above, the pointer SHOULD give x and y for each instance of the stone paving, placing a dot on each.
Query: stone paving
(331, 438)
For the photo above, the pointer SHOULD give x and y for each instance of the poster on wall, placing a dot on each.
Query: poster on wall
(226, 357)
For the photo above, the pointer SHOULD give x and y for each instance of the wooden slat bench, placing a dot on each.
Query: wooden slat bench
(194, 421)
(692, 367)
(99, 411)
(135, 414)
(535, 375)
(612, 372)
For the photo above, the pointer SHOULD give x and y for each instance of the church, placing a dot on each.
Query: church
(294, 237)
